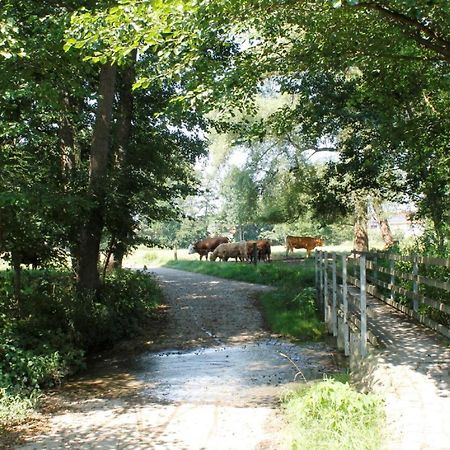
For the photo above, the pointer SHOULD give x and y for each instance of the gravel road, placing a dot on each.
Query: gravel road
(209, 378)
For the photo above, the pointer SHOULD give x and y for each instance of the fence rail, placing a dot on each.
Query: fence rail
(404, 282)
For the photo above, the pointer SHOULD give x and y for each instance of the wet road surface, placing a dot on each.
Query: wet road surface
(212, 381)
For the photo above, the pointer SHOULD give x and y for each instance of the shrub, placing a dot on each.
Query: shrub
(126, 300)
(48, 336)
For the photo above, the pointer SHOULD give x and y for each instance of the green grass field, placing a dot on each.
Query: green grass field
(153, 256)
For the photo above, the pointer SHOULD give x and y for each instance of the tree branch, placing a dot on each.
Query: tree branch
(439, 44)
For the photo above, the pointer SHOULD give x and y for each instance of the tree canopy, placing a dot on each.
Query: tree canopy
(104, 106)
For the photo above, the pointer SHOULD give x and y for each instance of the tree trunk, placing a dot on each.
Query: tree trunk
(385, 229)
(123, 138)
(91, 233)
(15, 260)
(67, 141)
(118, 255)
(126, 108)
(70, 160)
(108, 264)
(361, 238)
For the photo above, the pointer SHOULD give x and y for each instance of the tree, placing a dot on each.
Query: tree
(39, 199)
(91, 232)
(61, 182)
(372, 72)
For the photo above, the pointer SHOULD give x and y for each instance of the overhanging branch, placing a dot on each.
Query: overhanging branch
(433, 42)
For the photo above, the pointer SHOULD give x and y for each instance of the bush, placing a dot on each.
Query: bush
(127, 299)
(47, 337)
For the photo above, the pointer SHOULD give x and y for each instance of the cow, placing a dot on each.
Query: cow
(231, 250)
(308, 243)
(207, 245)
(263, 249)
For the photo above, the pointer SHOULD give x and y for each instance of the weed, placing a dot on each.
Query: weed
(331, 415)
(47, 338)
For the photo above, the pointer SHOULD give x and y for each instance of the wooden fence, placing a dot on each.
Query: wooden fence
(415, 285)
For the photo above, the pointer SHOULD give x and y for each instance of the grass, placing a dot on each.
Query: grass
(330, 415)
(16, 407)
(153, 256)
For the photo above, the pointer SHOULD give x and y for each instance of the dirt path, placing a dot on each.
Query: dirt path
(210, 380)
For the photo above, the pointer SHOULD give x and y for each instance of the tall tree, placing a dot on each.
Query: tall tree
(91, 233)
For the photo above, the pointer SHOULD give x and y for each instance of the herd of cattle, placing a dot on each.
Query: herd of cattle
(222, 248)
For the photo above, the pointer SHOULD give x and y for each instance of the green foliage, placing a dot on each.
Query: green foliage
(429, 244)
(330, 414)
(178, 234)
(47, 337)
(127, 299)
(240, 196)
(363, 80)
(293, 315)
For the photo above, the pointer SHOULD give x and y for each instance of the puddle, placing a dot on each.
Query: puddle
(237, 375)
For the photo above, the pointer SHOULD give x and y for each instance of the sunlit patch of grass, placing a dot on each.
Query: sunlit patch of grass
(16, 408)
(330, 415)
(154, 257)
(275, 273)
(292, 313)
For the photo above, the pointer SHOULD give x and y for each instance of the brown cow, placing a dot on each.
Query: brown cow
(205, 246)
(263, 248)
(308, 243)
(232, 250)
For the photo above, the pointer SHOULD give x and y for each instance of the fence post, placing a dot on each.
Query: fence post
(322, 278)
(319, 281)
(375, 272)
(415, 272)
(391, 268)
(316, 275)
(363, 303)
(318, 268)
(354, 262)
(254, 254)
(325, 285)
(334, 287)
(345, 303)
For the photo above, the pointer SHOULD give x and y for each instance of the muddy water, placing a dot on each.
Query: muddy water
(239, 375)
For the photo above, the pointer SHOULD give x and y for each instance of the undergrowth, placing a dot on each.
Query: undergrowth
(45, 336)
(331, 415)
(290, 308)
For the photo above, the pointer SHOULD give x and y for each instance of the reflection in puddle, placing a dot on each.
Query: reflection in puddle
(238, 375)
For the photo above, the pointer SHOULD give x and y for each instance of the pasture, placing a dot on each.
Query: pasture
(154, 256)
